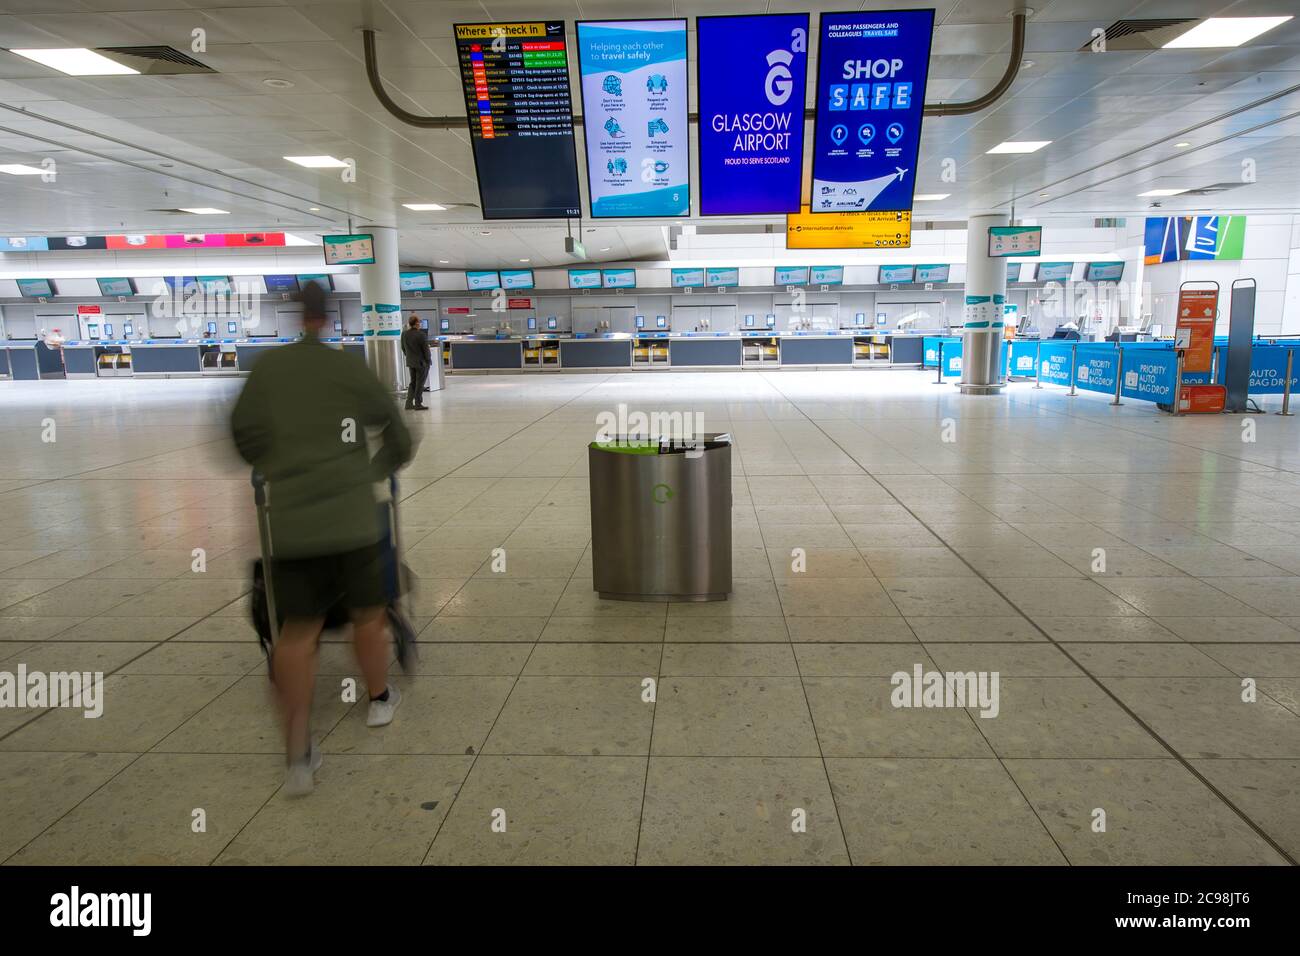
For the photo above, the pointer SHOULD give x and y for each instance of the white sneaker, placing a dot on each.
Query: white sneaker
(298, 780)
(381, 711)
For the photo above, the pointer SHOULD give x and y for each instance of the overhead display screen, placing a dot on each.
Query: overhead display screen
(618, 278)
(895, 274)
(35, 288)
(688, 278)
(277, 284)
(826, 275)
(516, 82)
(584, 279)
(932, 273)
(1176, 238)
(356, 250)
(482, 281)
(1015, 241)
(415, 281)
(634, 117)
(219, 285)
(1055, 271)
(116, 287)
(1013, 271)
(752, 72)
(516, 278)
(871, 76)
(1104, 272)
(720, 277)
(790, 275)
(322, 279)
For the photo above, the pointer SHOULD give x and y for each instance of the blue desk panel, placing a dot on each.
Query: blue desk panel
(246, 356)
(906, 349)
(813, 351)
(685, 353)
(22, 363)
(487, 355)
(164, 358)
(79, 361)
(596, 353)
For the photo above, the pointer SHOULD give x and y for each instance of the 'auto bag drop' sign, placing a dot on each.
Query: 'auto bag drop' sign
(752, 82)
(871, 74)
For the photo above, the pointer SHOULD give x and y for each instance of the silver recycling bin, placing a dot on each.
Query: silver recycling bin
(661, 519)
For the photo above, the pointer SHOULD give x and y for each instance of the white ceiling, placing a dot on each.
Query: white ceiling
(127, 145)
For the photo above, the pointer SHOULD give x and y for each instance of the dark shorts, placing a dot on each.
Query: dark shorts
(309, 587)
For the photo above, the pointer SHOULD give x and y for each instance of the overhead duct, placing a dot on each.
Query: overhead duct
(154, 60)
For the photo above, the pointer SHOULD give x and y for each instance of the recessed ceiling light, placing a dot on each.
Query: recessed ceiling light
(1221, 32)
(1024, 146)
(314, 209)
(485, 232)
(275, 83)
(605, 249)
(77, 62)
(425, 206)
(1044, 195)
(443, 262)
(525, 260)
(204, 211)
(1027, 64)
(317, 162)
(1161, 192)
(18, 169)
(1182, 145)
(931, 197)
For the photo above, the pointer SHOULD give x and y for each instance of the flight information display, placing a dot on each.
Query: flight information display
(516, 82)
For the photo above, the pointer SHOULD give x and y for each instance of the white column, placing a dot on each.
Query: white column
(381, 309)
(986, 296)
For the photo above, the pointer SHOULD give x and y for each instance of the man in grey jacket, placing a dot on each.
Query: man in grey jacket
(415, 346)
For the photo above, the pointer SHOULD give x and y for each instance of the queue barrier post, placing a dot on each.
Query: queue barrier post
(938, 379)
(1119, 374)
(1177, 404)
(1286, 385)
(1074, 369)
(1038, 364)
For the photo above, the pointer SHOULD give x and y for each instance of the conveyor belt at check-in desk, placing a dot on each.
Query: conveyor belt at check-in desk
(703, 351)
(596, 352)
(162, 358)
(801, 349)
(487, 354)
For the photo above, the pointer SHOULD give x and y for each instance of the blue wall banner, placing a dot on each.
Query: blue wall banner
(634, 115)
(871, 75)
(752, 72)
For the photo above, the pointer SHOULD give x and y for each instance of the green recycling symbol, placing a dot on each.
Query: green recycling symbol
(662, 494)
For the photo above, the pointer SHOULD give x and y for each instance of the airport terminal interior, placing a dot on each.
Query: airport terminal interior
(854, 433)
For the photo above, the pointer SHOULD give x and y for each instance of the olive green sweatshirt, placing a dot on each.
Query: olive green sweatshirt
(302, 420)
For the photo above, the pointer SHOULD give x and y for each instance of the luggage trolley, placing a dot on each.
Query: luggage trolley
(397, 578)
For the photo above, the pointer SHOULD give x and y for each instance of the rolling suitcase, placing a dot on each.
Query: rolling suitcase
(397, 578)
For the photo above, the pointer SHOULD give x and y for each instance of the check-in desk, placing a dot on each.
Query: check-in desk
(20, 361)
(487, 354)
(96, 359)
(705, 350)
(596, 351)
(816, 348)
(906, 349)
(248, 351)
(760, 351)
(158, 358)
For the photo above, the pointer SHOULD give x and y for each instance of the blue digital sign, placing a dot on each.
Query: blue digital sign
(516, 278)
(871, 75)
(790, 275)
(584, 279)
(826, 275)
(752, 73)
(482, 281)
(618, 278)
(895, 274)
(688, 278)
(716, 278)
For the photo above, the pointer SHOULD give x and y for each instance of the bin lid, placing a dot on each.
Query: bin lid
(636, 445)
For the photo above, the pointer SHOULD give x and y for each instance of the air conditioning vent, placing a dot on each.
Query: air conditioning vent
(155, 60)
(1128, 35)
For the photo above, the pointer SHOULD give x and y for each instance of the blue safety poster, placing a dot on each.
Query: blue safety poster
(752, 81)
(871, 74)
(635, 117)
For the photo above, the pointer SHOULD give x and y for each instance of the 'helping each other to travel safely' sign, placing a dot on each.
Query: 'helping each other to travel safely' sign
(871, 76)
(752, 78)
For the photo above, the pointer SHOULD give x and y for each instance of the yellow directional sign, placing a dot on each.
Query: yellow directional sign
(848, 230)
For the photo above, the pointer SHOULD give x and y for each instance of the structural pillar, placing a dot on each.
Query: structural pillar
(381, 310)
(986, 296)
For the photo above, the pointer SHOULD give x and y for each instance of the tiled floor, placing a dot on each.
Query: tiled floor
(771, 736)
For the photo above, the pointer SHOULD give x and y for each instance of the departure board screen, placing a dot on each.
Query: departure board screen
(516, 82)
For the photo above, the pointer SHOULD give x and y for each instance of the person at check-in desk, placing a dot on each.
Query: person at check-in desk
(415, 346)
(302, 420)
